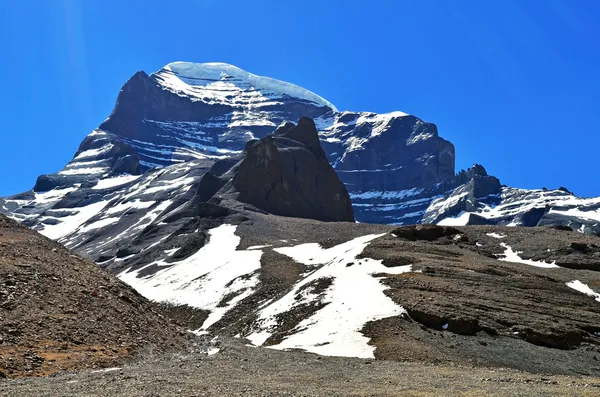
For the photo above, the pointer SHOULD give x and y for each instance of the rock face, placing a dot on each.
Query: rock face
(288, 174)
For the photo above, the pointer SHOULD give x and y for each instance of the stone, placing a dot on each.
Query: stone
(288, 174)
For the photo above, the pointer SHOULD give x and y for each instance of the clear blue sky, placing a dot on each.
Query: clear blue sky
(514, 84)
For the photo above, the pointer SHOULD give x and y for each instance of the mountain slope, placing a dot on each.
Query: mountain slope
(365, 290)
(61, 312)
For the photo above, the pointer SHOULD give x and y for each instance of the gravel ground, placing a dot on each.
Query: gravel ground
(61, 312)
(238, 370)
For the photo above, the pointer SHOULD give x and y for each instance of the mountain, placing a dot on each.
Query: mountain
(205, 112)
(257, 233)
(396, 167)
(239, 247)
(61, 312)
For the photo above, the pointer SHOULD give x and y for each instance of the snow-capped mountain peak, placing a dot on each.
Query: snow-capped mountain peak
(223, 83)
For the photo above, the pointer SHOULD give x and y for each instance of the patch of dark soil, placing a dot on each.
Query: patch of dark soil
(183, 315)
(557, 339)
(230, 296)
(562, 228)
(386, 250)
(278, 273)
(512, 300)
(279, 270)
(401, 339)
(286, 322)
(193, 242)
(316, 288)
(459, 325)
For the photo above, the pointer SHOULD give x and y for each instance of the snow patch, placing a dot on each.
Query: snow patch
(584, 289)
(335, 329)
(106, 370)
(202, 281)
(512, 256)
(256, 247)
(115, 181)
(461, 220)
(83, 171)
(66, 225)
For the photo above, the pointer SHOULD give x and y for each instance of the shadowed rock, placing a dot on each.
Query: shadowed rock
(288, 174)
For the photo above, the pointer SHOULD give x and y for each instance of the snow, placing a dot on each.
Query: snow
(386, 195)
(373, 170)
(53, 195)
(461, 220)
(354, 143)
(584, 289)
(575, 212)
(123, 207)
(212, 351)
(98, 224)
(68, 224)
(512, 256)
(256, 247)
(379, 122)
(83, 171)
(115, 181)
(93, 152)
(443, 204)
(496, 235)
(335, 328)
(171, 251)
(222, 79)
(423, 136)
(205, 278)
(517, 201)
(170, 185)
(107, 370)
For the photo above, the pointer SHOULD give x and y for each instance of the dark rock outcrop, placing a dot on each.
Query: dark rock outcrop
(288, 174)
(424, 232)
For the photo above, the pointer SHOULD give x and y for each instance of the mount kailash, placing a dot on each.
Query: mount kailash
(235, 195)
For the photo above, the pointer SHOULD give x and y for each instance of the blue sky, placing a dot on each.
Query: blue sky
(515, 85)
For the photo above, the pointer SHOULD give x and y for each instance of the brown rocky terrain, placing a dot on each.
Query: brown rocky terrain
(469, 317)
(238, 370)
(464, 305)
(61, 312)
